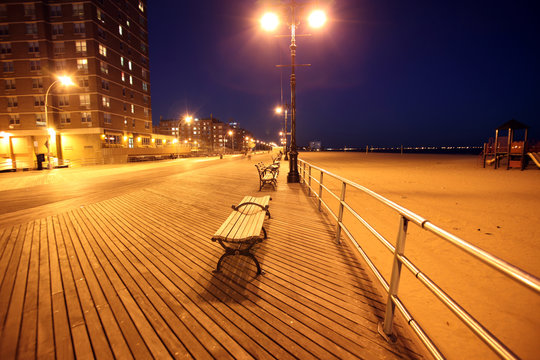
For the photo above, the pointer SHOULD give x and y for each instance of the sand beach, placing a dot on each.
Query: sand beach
(495, 210)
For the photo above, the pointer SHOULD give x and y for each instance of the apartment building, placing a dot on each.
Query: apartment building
(102, 46)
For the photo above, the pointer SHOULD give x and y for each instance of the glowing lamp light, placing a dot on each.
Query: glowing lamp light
(279, 110)
(188, 118)
(269, 21)
(317, 19)
(174, 141)
(153, 140)
(125, 138)
(139, 139)
(65, 80)
(230, 132)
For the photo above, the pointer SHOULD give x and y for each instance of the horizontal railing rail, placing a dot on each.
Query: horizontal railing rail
(316, 186)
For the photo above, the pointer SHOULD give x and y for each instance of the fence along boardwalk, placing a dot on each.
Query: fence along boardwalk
(131, 277)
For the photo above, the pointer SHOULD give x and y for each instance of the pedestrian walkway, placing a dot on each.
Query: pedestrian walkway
(131, 277)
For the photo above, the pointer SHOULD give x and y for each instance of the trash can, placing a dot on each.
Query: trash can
(40, 160)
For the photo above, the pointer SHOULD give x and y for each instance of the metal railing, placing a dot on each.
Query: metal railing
(316, 186)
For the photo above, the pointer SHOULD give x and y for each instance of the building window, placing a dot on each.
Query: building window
(102, 50)
(55, 10)
(37, 83)
(133, 122)
(65, 118)
(141, 6)
(60, 65)
(83, 82)
(80, 46)
(40, 119)
(131, 79)
(4, 29)
(125, 107)
(107, 118)
(10, 84)
(101, 34)
(100, 16)
(143, 48)
(35, 65)
(39, 100)
(146, 112)
(31, 29)
(63, 100)
(122, 60)
(5, 48)
(8, 66)
(124, 91)
(145, 99)
(105, 84)
(132, 109)
(82, 64)
(145, 86)
(78, 10)
(12, 102)
(123, 76)
(59, 48)
(120, 30)
(129, 65)
(79, 28)
(104, 67)
(84, 100)
(58, 29)
(86, 117)
(144, 74)
(14, 120)
(29, 10)
(106, 101)
(33, 47)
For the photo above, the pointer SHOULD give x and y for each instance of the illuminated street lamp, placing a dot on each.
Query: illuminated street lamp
(65, 81)
(285, 110)
(270, 22)
(232, 140)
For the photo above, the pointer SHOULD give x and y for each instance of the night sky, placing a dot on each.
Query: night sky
(384, 72)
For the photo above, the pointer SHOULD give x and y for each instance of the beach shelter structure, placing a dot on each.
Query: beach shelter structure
(506, 147)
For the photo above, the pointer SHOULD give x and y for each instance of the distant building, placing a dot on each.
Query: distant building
(103, 46)
(315, 146)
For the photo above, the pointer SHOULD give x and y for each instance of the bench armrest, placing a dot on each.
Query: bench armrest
(264, 208)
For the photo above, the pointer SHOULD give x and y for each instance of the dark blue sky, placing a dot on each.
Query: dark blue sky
(384, 72)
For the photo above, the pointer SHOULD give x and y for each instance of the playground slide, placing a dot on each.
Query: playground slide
(535, 157)
(491, 161)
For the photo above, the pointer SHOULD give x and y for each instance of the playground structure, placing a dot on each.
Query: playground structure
(515, 152)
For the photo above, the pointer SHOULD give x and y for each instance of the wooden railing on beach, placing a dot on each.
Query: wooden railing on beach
(314, 177)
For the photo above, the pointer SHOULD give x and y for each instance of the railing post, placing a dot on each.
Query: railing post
(304, 172)
(394, 280)
(309, 182)
(320, 189)
(340, 215)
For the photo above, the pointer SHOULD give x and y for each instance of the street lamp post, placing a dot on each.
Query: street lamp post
(269, 22)
(232, 140)
(66, 81)
(285, 110)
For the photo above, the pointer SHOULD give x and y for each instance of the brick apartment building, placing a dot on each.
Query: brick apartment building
(209, 134)
(103, 46)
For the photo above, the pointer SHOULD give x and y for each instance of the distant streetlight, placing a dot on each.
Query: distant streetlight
(64, 81)
(270, 22)
(232, 140)
(279, 110)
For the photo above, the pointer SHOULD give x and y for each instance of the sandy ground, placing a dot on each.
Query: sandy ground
(496, 210)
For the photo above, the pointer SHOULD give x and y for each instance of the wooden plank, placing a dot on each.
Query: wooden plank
(10, 339)
(62, 331)
(113, 334)
(45, 328)
(27, 347)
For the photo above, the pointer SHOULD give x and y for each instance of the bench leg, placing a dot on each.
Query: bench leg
(250, 255)
(264, 231)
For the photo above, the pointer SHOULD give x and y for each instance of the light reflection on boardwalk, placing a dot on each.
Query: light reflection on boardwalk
(131, 276)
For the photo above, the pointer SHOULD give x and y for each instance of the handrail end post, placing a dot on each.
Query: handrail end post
(390, 338)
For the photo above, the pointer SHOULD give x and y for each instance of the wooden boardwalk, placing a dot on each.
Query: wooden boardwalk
(131, 277)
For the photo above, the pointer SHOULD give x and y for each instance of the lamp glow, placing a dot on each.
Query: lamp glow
(269, 21)
(65, 80)
(317, 19)
(279, 110)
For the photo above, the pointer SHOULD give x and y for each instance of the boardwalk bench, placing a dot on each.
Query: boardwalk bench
(267, 175)
(242, 229)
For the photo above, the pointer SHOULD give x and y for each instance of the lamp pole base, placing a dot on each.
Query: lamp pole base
(293, 176)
